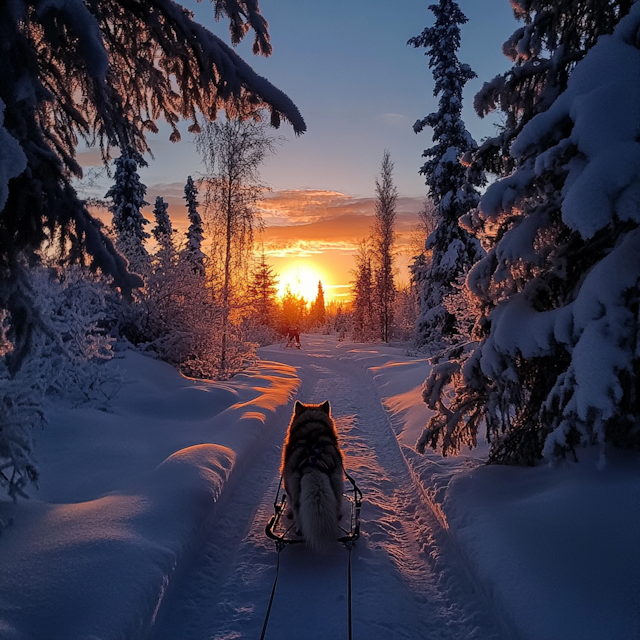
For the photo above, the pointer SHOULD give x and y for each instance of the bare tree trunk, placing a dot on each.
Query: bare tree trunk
(227, 276)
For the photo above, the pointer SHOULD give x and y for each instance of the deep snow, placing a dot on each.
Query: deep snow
(149, 520)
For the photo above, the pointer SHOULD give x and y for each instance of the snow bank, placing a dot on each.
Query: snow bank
(555, 547)
(126, 496)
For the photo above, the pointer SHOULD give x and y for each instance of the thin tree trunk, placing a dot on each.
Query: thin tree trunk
(225, 285)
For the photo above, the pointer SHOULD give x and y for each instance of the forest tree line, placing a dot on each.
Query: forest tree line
(527, 283)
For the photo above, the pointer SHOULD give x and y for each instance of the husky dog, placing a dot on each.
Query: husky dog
(312, 468)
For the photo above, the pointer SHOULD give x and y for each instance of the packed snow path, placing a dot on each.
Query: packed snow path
(407, 580)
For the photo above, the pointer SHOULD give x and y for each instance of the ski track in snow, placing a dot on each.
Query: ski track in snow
(407, 579)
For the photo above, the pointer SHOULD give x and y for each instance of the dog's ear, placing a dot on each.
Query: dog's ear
(298, 408)
(326, 407)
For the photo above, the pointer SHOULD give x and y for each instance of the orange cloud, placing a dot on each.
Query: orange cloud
(304, 206)
(310, 229)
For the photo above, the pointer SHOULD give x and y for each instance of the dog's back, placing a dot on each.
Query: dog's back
(312, 468)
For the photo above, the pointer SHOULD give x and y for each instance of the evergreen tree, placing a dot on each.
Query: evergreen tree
(195, 235)
(364, 325)
(557, 360)
(451, 188)
(263, 292)
(555, 36)
(318, 310)
(127, 199)
(163, 233)
(383, 238)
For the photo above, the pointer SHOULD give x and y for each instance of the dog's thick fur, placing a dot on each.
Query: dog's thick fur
(313, 472)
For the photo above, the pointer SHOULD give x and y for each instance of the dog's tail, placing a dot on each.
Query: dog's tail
(318, 512)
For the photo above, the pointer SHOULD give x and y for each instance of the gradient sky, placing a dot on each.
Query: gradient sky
(360, 88)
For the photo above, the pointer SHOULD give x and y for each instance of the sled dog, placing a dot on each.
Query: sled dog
(312, 469)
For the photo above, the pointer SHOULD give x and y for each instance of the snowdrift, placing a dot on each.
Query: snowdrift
(126, 496)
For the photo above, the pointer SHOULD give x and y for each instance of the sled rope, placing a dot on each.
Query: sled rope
(282, 540)
(349, 593)
(280, 547)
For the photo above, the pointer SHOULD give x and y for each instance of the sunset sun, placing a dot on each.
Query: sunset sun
(302, 280)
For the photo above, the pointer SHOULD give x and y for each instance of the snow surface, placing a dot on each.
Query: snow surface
(150, 517)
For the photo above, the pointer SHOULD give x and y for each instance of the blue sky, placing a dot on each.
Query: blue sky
(360, 88)
(358, 85)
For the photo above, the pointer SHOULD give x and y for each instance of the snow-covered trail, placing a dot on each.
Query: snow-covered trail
(407, 582)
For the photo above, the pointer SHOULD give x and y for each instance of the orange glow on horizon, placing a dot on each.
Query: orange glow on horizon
(302, 278)
(302, 272)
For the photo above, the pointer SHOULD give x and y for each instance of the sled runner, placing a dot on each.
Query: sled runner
(282, 530)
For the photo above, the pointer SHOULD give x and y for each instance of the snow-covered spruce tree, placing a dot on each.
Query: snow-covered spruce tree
(127, 199)
(163, 234)
(155, 324)
(559, 361)
(192, 252)
(103, 71)
(364, 326)
(451, 186)
(556, 35)
(383, 240)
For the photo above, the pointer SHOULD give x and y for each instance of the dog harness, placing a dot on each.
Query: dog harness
(314, 460)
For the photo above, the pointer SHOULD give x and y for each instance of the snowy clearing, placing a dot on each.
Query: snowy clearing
(150, 519)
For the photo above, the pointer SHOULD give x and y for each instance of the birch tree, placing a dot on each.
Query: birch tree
(233, 152)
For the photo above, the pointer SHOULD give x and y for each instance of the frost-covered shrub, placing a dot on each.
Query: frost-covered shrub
(406, 307)
(464, 307)
(558, 358)
(69, 343)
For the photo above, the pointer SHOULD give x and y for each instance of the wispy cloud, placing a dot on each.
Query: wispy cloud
(396, 119)
(311, 223)
(90, 158)
(304, 248)
(304, 206)
(312, 226)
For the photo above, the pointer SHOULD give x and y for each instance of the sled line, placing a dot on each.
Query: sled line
(280, 546)
(349, 545)
(282, 540)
